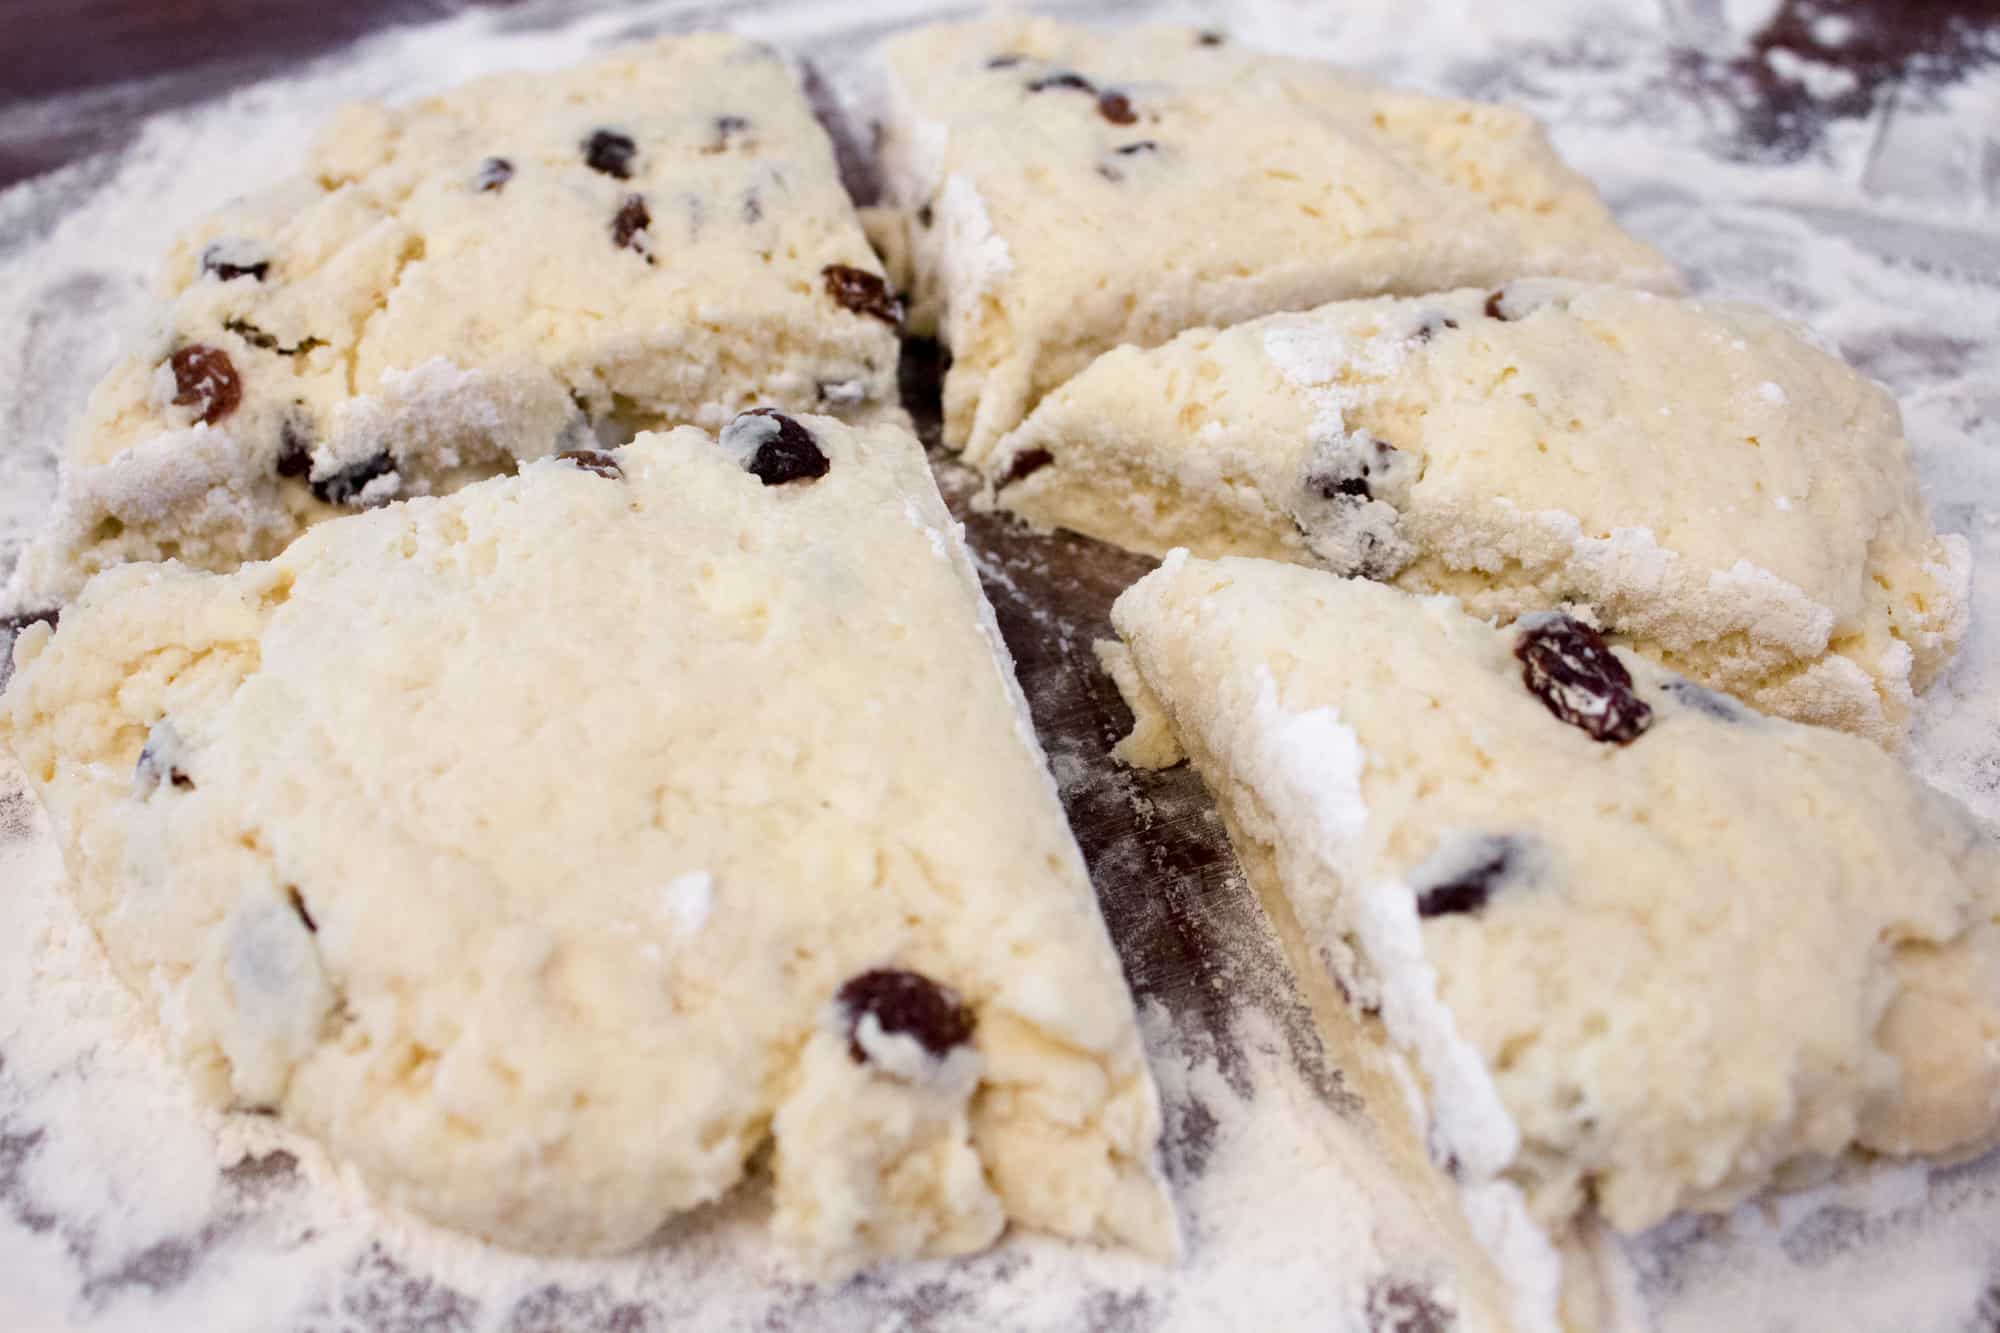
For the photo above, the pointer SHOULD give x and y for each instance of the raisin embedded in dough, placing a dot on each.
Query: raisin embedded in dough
(205, 379)
(1116, 108)
(908, 1004)
(630, 223)
(610, 152)
(1578, 678)
(345, 487)
(776, 449)
(229, 260)
(1064, 79)
(1470, 873)
(862, 292)
(594, 460)
(493, 173)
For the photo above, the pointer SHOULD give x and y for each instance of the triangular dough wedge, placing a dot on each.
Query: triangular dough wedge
(1598, 943)
(1069, 190)
(525, 264)
(1694, 476)
(549, 849)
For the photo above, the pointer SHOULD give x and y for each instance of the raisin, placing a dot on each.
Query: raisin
(925, 217)
(632, 218)
(159, 761)
(594, 460)
(610, 152)
(784, 451)
(493, 173)
(1138, 146)
(1208, 37)
(1569, 667)
(1469, 886)
(1026, 464)
(726, 128)
(1701, 699)
(1006, 60)
(268, 342)
(1348, 472)
(1116, 108)
(753, 207)
(1493, 303)
(345, 486)
(1402, 1307)
(1431, 326)
(1062, 79)
(298, 902)
(294, 449)
(862, 292)
(205, 379)
(905, 1004)
(213, 260)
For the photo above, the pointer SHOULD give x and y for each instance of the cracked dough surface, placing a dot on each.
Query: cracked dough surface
(1700, 963)
(1708, 485)
(532, 902)
(405, 316)
(1217, 184)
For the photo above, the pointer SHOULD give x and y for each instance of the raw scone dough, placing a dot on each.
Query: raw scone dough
(518, 844)
(527, 264)
(1695, 477)
(1070, 190)
(1661, 970)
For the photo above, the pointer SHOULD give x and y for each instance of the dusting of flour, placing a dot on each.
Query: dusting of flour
(125, 1205)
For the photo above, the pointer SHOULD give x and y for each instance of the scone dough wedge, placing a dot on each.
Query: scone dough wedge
(1607, 943)
(1069, 190)
(550, 849)
(526, 264)
(1694, 477)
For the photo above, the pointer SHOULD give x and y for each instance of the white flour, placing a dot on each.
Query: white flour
(1879, 231)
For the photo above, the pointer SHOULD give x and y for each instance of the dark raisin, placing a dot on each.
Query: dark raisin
(298, 902)
(1348, 472)
(1701, 699)
(632, 218)
(346, 485)
(268, 342)
(295, 448)
(157, 761)
(1062, 79)
(1110, 173)
(784, 450)
(1569, 667)
(214, 260)
(1006, 60)
(1432, 326)
(1026, 464)
(925, 216)
(1116, 108)
(1139, 146)
(205, 379)
(753, 207)
(610, 152)
(493, 173)
(906, 1004)
(726, 128)
(594, 460)
(1208, 37)
(1467, 889)
(1403, 1307)
(862, 292)
(1493, 304)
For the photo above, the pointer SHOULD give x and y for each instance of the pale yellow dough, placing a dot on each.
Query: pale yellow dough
(1714, 959)
(516, 843)
(1044, 232)
(1695, 476)
(428, 315)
